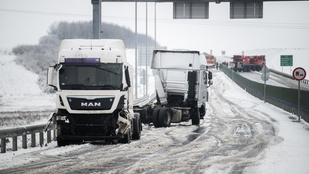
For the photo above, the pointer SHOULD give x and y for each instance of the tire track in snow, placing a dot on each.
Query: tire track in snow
(244, 136)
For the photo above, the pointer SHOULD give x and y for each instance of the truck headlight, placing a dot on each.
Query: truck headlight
(63, 118)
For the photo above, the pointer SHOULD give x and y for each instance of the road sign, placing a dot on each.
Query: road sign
(265, 77)
(243, 10)
(265, 73)
(286, 60)
(232, 65)
(191, 10)
(299, 73)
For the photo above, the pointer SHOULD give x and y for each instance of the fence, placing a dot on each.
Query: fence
(23, 132)
(285, 98)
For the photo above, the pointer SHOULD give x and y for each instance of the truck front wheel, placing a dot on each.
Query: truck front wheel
(137, 127)
(165, 117)
(202, 111)
(126, 138)
(61, 142)
(155, 117)
(195, 116)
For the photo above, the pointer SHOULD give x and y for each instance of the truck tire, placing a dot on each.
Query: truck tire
(126, 138)
(165, 117)
(61, 142)
(202, 111)
(195, 116)
(155, 117)
(137, 127)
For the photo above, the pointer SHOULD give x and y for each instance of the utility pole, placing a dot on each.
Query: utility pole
(136, 42)
(96, 18)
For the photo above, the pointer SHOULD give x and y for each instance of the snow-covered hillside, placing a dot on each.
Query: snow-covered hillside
(22, 102)
(19, 90)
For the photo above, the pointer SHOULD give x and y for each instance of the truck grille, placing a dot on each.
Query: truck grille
(95, 104)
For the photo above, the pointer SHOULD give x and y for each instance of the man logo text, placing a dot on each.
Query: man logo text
(91, 104)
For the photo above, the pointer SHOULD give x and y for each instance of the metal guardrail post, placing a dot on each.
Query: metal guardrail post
(24, 141)
(55, 135)
(33, 140)
(48, 135)
(41, 139)
(3, 145)
(14, 141)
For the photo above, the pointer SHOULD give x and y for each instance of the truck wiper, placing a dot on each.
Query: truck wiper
(79, 86)
(107, 87)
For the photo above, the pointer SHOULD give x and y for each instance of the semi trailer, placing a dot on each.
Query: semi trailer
(181, 82)
(94, 96)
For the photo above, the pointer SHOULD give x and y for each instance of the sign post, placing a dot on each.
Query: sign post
(299, 74)
(265, 77)
(232, 66)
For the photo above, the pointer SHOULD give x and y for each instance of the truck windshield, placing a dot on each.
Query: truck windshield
(89, 77)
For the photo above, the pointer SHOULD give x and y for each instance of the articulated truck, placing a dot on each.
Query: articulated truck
(94, 97)
(181, 82)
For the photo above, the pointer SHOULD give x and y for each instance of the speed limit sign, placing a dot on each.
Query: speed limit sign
(299, 73)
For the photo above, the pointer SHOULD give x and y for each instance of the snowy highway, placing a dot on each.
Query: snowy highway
(238, 135)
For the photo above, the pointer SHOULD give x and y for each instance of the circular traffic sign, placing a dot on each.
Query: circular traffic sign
(232, 65)
(299, 73)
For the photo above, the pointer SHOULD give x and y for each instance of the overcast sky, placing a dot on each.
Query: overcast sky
(284, 24)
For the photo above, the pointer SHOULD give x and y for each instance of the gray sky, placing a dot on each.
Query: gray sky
(284, 24)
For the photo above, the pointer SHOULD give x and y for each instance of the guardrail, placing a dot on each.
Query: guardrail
(285, 98)
(33, 130)
(305, 81)
(23, 132)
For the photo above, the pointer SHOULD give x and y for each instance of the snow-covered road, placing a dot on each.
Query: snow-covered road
(239, 134)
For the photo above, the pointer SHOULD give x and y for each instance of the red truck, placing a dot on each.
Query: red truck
(248, 63)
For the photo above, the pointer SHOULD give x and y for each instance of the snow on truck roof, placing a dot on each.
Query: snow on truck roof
(110, 49)
(106, 44)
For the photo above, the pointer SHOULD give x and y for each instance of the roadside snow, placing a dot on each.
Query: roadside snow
(290, 150)
(255, 76)
(19, 90)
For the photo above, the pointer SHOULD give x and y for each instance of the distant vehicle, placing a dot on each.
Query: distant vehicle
(210, 59)
(248, 63)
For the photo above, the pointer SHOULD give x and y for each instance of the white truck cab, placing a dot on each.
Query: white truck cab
(181, 79)
(94, 96)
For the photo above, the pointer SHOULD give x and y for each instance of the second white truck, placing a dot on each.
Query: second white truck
(181, 79)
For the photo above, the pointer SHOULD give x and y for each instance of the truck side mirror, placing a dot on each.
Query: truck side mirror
(50, 77)
(128, 77)
(209, 75)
